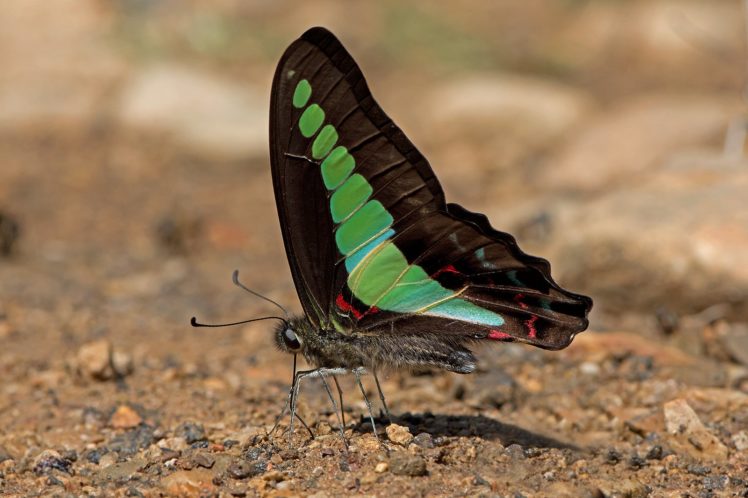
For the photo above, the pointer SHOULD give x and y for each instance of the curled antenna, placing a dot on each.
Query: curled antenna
(195, 323)
(235, 279)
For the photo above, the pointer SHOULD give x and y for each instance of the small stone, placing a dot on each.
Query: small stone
(122, 363)
(318, 471)
(740, 440)
(402, 464)
(191, 432)
(284, 485)
(698, 470)
(612, 456)
(124, 417)
(107, 460)
(327, 452)
(274, 475)
(197, 482)
(241, 469)
(515, 452)
(205, 460)
(424, 440)
(624, 487)
(399, 434)
(94, 360)
(237, 490)
(655, 453)
(53, 481)
(636, 462)
(689, 433)
(381, 467)
(123, 470)
(49, 460)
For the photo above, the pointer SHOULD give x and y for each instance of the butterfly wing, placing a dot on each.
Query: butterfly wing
(372, 244)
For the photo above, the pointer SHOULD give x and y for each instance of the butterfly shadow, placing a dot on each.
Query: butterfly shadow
(438, 425)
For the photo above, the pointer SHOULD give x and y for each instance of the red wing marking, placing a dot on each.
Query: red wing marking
(446, 269)
(346, 306)
(531, 331)
(498, 335)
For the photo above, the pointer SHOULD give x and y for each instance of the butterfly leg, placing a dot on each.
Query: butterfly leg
(334, 406)
(381, 397)
(357, 372)
(340, 396)
(288, 402)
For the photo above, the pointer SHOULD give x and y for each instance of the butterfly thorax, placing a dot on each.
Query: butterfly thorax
(373, 350)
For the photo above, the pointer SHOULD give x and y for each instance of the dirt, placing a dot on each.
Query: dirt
(113, 237)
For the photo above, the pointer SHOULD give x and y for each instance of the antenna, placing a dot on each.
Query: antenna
(235, 279)
(195, 323)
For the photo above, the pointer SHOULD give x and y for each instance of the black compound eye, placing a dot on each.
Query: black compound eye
(289, 338)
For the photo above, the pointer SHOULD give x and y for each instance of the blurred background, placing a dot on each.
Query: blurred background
(134, 169)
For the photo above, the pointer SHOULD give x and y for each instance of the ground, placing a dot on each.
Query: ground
(135, 179)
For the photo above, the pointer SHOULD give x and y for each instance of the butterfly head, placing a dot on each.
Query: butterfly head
(289, 335)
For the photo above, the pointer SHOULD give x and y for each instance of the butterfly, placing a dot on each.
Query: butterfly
(389, 274)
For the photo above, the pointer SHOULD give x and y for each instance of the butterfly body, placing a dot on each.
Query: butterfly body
(375, 351)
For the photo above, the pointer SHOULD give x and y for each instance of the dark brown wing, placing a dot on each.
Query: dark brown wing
(373, 247)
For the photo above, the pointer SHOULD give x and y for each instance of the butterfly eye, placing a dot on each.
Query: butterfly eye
(289, 338)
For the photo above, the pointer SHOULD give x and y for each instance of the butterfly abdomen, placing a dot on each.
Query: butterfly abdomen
(373, 351)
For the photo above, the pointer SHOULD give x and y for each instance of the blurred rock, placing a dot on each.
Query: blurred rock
(403, 464)
(199, 110)
(664, 42)
(124, 417)
(49, 460)
(735, 342)
(740, 440)
(689, 434)
(625, 143)
(189, 483)
(62, 77)
(489, 123)
(597, 346)
(399, 434)
(629, 488)
(675, 239)
(97, 360)
(123, 470)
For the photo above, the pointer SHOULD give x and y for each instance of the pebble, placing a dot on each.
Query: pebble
(424, 440)
(515, 452)
(132, 441)
(381, 467)
(191, 432)
(10, 231)
(94, 360)
(188, 483)
(402, 464)
(124, 470)
(687, 429)
(124, 417)
(241, 469)
(49, 460)
(399, 434)
(740, 440)
(107, 460)
(97, 360)
(204, 460)
(629, 488)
